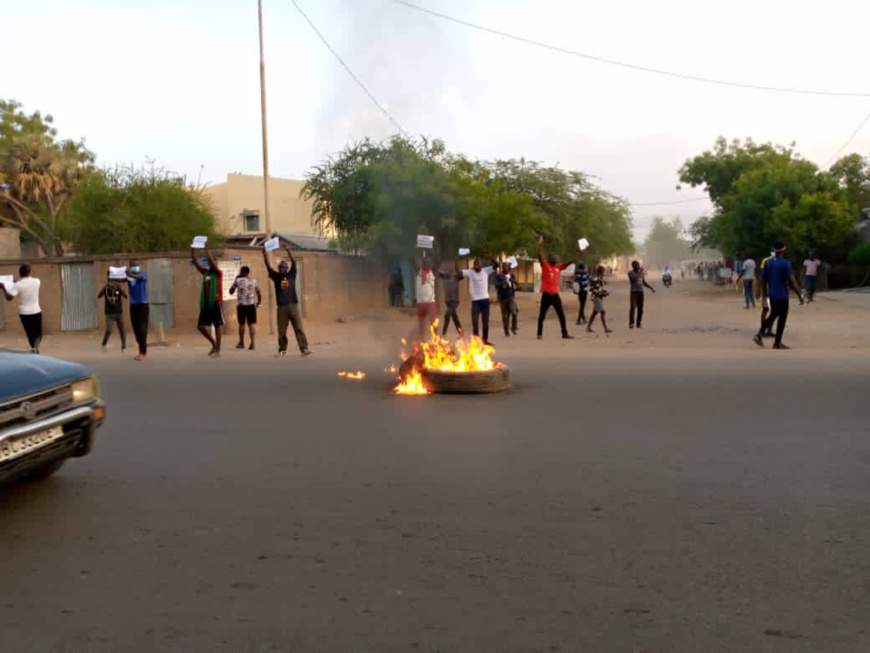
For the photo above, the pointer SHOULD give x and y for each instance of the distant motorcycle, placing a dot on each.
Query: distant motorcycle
(667, 279)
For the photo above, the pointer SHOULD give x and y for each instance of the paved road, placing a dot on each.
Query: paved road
(658, 504)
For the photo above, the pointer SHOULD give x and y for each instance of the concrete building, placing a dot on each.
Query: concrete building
(239, 208)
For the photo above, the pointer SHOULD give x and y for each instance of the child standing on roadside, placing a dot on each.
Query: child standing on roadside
(114, 296)
(598, 292)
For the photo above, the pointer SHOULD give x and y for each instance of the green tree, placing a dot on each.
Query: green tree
(764, 193)
(569, 206)
(129, 209)
(852, 172)
(378, 197)
(41, 173)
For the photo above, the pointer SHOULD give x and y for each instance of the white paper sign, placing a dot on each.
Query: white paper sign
(272, 244)
(199, 242)
(513, 261)
(425, 242)
(583, 243)
(229, 270)
(7, 280)
(118, 273)
(464, 251)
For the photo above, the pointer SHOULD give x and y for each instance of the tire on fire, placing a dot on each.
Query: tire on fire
(491, 381)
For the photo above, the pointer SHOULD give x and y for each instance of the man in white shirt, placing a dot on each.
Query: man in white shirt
(27, 291)
(811, 271)
(479, 278)
(424, 286)
(748, 276)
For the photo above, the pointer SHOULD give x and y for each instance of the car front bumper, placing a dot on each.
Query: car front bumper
(79, 426)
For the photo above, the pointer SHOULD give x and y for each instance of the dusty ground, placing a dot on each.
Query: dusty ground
(673, 489)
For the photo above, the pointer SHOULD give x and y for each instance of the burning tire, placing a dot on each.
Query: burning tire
(495, 380)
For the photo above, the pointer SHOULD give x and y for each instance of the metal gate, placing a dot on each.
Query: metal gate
(78, 297)
(160, 294)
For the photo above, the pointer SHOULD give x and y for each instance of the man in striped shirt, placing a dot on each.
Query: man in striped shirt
(210, 309)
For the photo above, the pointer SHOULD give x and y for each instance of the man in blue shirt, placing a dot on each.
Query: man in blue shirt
(777, 277)
(137, 285)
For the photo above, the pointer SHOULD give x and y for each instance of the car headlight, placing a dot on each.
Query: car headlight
(85, 390)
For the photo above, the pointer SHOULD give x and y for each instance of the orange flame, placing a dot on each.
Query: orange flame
(411, 385)
(438, 354)
(358, 376)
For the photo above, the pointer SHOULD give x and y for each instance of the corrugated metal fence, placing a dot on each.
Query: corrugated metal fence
(160, 292)
(78, 297)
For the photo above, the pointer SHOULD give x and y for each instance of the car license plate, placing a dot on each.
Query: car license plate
(15, 447)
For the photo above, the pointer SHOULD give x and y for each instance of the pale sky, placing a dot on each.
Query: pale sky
(177, 81)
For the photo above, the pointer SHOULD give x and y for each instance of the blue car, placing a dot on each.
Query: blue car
(49, 411)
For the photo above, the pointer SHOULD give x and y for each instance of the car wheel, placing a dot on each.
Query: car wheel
(491, 381)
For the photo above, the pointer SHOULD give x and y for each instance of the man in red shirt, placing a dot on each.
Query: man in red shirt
(551, 271)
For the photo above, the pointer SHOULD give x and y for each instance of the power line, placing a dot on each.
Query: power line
(694, 199)
(623, 64)
(349, 71)
(851, 138)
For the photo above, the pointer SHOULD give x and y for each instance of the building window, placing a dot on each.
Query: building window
(252, 220)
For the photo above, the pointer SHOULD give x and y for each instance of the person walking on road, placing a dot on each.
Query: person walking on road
(29, 311)
(637, 279)
(480, 304)
(211, 312)
(288, 311)
(248, 302)
(777, 278)
(581, 282)
(506, 285)
(747, 274)
(551, 272)
(599, 292)
(140, 315)
(811, 271)
(450, 279)
(114, 311)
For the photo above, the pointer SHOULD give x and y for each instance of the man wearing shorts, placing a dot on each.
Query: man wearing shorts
(598, 292)
(210, 309)
(249, 300)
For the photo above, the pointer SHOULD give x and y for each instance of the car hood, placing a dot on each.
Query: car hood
(23, 374)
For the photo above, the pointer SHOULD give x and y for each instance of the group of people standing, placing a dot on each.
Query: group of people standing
(29, 311)
(478, 276)
(249, 299)
(585, 284)
(211, 314)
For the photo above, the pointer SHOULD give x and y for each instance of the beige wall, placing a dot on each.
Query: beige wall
(241, 193)
(10, 243)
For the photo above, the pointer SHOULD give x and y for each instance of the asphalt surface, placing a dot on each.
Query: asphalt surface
(613, 504)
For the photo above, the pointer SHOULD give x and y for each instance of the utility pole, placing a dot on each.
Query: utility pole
(268, 221)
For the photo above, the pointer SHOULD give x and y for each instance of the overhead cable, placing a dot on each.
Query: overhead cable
(624, 64)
